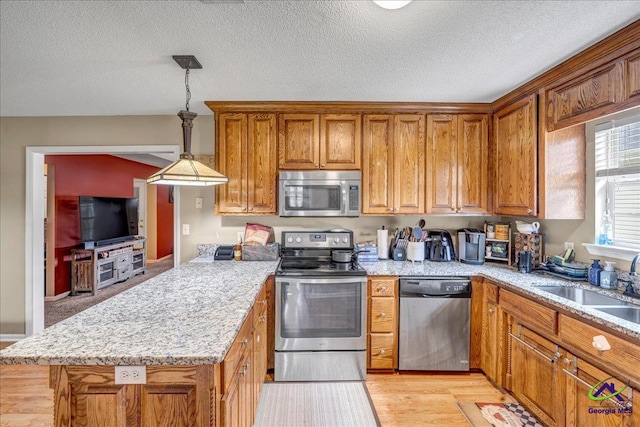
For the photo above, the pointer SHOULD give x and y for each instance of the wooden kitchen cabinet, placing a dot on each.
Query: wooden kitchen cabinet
(382, 351)
(457, 164)
(515, 158)
(319, 141)
(491, 327)
(581, 378)
(393, 164)
(535, 378)
(246, 154)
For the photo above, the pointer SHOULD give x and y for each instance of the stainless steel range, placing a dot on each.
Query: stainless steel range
(321, 308)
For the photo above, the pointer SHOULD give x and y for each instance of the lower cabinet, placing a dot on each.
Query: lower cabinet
(535, 380)
(586, 390)
(382, 351)
(490, 342)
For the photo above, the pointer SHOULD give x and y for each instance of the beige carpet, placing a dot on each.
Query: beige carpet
(317, 404)
(55, 311)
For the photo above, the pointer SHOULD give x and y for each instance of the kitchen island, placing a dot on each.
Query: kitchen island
(181, 327)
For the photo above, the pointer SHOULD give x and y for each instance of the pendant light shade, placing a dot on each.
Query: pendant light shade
(187, 170)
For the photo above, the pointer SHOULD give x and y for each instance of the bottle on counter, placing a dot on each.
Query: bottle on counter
(608, 276)
(606, 230)
(594, 272)
(237, 252)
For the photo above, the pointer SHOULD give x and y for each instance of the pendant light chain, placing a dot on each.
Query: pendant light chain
(186, 83)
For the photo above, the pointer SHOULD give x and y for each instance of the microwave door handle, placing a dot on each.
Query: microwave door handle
(345, 202)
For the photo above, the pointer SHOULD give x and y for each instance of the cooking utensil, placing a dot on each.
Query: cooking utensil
(417, 233)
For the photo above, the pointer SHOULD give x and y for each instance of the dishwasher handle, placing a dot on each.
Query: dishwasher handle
(419, 295)
(434, 288)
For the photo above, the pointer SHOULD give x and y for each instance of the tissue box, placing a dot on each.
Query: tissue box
(270, 252)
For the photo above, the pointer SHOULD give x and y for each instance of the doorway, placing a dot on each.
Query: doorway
(34, 221)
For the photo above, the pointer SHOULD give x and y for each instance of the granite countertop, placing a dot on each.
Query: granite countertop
(191, 314)
(188, 315)
(509, 277)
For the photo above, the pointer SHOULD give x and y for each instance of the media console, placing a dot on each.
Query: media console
(95, 268)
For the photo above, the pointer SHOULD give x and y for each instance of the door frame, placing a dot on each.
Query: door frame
(34, 217)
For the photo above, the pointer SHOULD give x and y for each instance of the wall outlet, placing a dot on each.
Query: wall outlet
(568, 245)
(199, 201)
(185, 229)
(131, 374)
(240, 237)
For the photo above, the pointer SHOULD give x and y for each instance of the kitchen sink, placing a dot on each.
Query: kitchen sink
(630, 314)
(583, 296)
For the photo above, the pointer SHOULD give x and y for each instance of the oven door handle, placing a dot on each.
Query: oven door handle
(322, 280)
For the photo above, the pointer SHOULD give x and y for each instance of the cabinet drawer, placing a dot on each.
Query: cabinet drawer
(381, 351)
(382, 287)
(122, 260)
(383, 314)
(236, 352)
(623, 356)
(529, 312)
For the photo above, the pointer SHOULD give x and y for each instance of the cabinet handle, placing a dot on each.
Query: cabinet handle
(530, 347)
(382, 352)
(453, 209)
(600, 343)
(459, 210)
(263, 319)
(383, 315)
(263, 302)
(322, 165)
(491, 310)
(397, 209)
(383, 289)
(251, 208)
(567, 361)
(586, 384)
(390, 209)
(529, 211)
(244, 341)
(258, 339)
(316, 165)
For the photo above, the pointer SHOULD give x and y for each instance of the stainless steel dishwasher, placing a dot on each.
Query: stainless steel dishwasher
(434, 323)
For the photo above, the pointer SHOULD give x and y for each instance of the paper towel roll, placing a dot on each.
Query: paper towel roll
(383, 244)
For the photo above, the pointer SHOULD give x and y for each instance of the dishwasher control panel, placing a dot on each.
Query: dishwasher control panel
(435, 287)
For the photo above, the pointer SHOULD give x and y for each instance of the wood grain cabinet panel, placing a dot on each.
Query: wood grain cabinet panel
(585, 97)
(457, 164)
(246, 154)
(529, 313)
(393, 164)
(320, 141)
(340, 141)
(515, 160)
(536, 381)
(382, 343)
(632, 80)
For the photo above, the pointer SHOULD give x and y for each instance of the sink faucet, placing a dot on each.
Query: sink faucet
(632, 270)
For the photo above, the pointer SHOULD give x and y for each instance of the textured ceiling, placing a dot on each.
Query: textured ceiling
(81, 58)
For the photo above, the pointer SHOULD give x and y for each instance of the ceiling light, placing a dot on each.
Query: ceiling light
(187, 171)
(392, 4)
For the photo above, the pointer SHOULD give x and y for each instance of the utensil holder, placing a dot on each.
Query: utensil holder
(415, 251)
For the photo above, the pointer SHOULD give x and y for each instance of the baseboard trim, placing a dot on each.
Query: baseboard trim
(57, 297)
(153, 261)
(12, 337)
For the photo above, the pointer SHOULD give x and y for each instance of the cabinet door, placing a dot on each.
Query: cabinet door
(299, 141)
(516, 184)
(168, 405)
(383, 314)
(340, 139)
(231, 161)
(381, 350)
(582, 379)
(472, 164)
(536, 382)
(261, 170)
(408, 163)
(442, 159)
(377, 165)
(490, 340)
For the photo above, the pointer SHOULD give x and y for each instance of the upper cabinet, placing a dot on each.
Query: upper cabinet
(457, 166)
(515, 159)
(587, 95)
(319, 141)
(393, 164)
(246, 154)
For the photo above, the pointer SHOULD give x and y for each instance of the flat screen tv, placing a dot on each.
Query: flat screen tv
(106, 220)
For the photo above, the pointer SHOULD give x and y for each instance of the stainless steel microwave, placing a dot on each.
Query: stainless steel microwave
(319, 193)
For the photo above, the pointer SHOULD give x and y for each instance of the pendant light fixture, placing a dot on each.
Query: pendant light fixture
(187, 170)
(392, 4)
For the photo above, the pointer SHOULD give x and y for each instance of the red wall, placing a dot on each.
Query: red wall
(104, 176)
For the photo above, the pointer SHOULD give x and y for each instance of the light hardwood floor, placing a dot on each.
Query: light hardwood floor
(399, 399)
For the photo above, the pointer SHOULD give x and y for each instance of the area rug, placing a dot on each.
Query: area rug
(507, 414)
(321, 404)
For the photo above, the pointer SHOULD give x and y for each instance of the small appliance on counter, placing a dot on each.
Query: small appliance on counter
(471, 246)
(224, 252)
(439, 246)
(524, 262)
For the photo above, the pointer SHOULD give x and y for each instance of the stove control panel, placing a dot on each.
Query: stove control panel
(317, 239)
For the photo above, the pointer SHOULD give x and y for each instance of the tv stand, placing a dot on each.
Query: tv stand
(93, 269)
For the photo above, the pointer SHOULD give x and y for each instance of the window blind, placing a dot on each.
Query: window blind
(618, 166)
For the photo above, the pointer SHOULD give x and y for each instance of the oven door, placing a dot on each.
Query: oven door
(321, 314)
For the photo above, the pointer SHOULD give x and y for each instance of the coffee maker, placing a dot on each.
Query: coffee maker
(439, 246)
(471, 244)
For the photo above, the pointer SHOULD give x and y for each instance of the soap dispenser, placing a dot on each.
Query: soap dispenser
(594, 272)
(608, 276)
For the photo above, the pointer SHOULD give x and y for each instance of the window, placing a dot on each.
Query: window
(617, 145)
